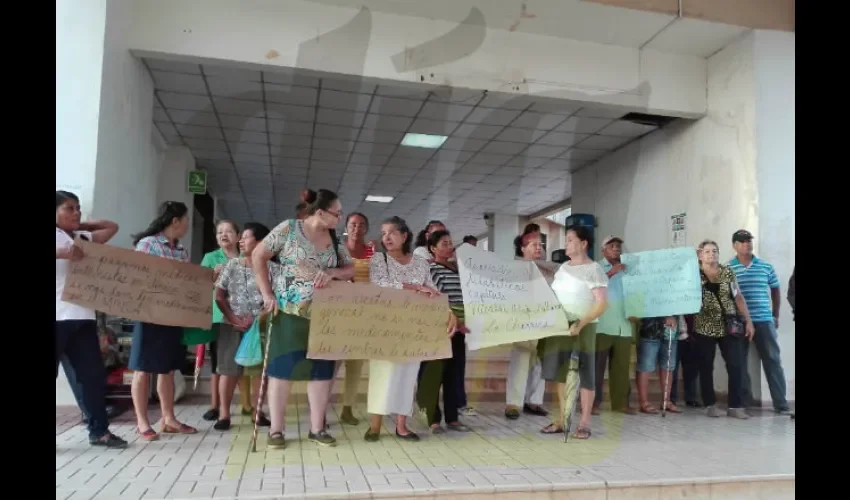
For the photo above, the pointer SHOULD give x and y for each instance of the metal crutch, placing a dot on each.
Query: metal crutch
(263, 381)
(670, 332)
(571, 392)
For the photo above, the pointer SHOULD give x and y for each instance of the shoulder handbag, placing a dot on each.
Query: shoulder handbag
(733, 324)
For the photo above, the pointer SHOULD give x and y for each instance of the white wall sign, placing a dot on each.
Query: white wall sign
(678, 230)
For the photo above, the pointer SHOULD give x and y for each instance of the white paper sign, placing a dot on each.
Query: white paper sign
(506, 301)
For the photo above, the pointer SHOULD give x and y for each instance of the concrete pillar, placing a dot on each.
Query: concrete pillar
(501, 233)
(80, 30)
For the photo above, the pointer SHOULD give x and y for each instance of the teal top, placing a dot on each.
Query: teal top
(211, 260)
(614, 321)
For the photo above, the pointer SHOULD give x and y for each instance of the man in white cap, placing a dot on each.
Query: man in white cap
(614, 333)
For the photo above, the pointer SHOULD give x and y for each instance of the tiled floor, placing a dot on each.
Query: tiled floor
(680, 456)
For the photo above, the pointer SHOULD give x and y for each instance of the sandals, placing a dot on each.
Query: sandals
(180, 429)
(671, 408)
(148, 435)
(582, 433)
(648, 409)
(552, 429)
(276, 441)
(534, 410)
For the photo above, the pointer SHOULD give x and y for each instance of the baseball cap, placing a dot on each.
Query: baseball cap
(741, 236)
(609, 239)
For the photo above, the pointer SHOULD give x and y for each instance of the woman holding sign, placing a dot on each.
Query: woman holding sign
(75, 329)
(159, 348)
(580, 286)
(391, 384)
(525, 386)
(310, 257)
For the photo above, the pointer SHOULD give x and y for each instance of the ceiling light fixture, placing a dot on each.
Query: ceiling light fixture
(423, 140)
(379, 199)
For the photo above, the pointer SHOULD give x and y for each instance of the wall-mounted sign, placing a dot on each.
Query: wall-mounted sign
(678, 230)
(197, 182)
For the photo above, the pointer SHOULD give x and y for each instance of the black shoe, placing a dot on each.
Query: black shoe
(322, 438)
(109, 440)
(211, 414)
(693, 404)
(222, 425)
(534, 410)
(262, 421)
(410, 436)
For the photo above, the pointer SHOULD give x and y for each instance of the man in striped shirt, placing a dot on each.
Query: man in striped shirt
(760, 285)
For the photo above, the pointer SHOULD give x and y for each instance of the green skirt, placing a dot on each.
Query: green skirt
(288, 351)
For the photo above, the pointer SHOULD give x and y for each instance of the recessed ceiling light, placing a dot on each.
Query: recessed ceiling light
(423, 140)
(379, 199)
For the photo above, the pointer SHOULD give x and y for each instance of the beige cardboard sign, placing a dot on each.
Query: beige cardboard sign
(141, 287)
(363, 321)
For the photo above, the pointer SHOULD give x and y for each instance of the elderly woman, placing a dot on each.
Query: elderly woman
(580, 285)
(724, 322)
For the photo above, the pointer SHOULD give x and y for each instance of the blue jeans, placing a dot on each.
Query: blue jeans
(653, 354)
(76, 387)
(767, 344)
(77, 340)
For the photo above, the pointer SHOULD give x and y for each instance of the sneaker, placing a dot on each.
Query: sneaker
(467, 411)
(109, 440)
(322, 438)
(211, 414)
(712, 412)
(737, 413)
(785, 412)
(276, 441)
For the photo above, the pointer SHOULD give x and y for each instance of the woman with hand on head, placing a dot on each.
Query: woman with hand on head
(159, 348)
(75, 328)
(392, 384)
(310, 257)
(241, 302)
(580, 285)
(227, 236)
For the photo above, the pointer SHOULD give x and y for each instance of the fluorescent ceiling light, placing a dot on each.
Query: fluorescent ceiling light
(379, 199)
(423, 140)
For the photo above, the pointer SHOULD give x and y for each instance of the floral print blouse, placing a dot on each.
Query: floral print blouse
(710, 321)
(243, 295)
(387, 272)
(299, 263)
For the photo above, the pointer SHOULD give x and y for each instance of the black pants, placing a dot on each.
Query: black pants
(732, 350)
(459, 376)
(77, 340)
(437, 373)
(690, 372)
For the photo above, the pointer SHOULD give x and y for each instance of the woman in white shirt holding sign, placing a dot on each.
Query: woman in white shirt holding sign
(581, 286)
(76, 327)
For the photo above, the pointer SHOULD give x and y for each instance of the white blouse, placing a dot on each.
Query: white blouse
(573, 285)
(388, 272)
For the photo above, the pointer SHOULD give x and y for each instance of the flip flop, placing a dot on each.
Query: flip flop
(649, 409)
(582, 433)
(552, 429)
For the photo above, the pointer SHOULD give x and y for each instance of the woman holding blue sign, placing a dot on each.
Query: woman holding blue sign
(240, 302)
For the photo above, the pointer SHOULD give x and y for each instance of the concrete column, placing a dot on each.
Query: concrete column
(80, 30)
(774, 69)
(501, 233)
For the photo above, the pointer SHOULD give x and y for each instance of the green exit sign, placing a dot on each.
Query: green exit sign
(197, 182)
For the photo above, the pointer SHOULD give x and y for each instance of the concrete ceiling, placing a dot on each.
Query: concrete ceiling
(589, 21)
(263, 136)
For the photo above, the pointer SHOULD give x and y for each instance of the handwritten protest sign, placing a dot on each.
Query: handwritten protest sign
(506, 301)
(662, 283)
(362, 321)
(141, 287)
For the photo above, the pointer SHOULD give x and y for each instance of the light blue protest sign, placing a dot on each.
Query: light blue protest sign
(662, 283)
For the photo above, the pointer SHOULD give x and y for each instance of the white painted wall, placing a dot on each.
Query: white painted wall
(732, 169)
(343, 39)
(128, 162)
(80, 28)
(176, 164)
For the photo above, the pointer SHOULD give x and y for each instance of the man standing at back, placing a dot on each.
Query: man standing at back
(760, 285)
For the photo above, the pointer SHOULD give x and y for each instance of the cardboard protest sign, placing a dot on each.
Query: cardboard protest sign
(364, 321)
(140, 287)
(661, 283)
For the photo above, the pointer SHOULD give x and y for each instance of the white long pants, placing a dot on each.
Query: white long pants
(525, 384)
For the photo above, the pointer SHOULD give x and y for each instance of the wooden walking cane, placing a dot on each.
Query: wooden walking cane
(666, 399)
(263, 379)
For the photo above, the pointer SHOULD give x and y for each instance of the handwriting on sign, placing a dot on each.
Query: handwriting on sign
(662, 283)
(140, 287)
(361, 321)
(506, 301)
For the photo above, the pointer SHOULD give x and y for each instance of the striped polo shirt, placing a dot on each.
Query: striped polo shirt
(447, 282)
(755, 282)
